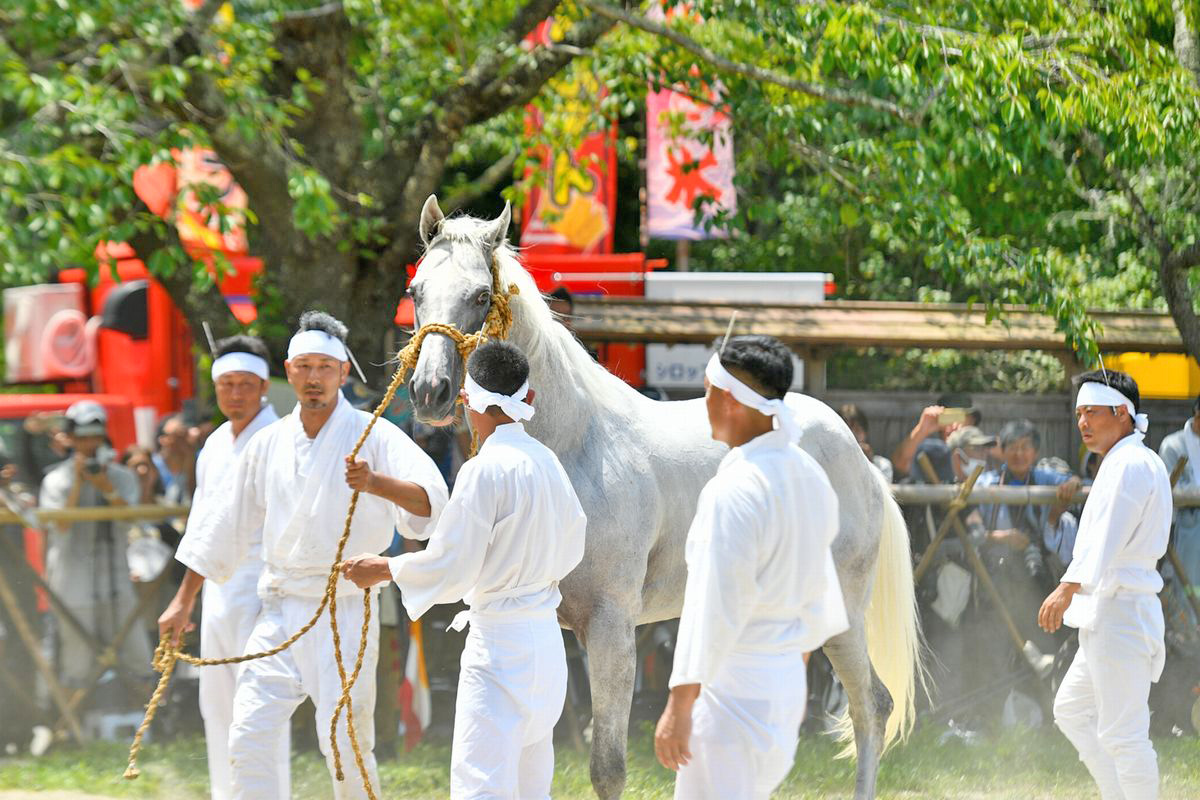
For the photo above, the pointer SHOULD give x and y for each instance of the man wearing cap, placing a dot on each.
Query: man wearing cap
(513, 529)
(969, 448)
(240, 375)
(294, 481)
(762, 591)
(86, 563)
(1109, 593)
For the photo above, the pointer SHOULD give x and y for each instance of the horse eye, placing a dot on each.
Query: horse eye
(484, 298)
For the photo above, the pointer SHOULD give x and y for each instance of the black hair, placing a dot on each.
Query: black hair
(321, 321)
(764, 359)
(167, 418)
(1019, 429)
(853, 415)
(498, 367)
(954, 400)
(1114, 380)
(563, 294)
(241, 343)
(1196, 405)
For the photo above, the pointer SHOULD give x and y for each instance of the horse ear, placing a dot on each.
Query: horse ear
(431, 219)
(498, 228)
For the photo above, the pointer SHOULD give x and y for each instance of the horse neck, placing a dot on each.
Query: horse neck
(564, 407)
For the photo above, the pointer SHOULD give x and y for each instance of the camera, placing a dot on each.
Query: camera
(92, 466)
(952, 416)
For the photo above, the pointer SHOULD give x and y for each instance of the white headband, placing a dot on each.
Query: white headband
(317, 342)
(240, 362)
(720, 377)
(1098, 394)
(513, 406)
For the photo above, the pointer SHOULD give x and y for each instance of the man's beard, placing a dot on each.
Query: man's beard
(314, 402)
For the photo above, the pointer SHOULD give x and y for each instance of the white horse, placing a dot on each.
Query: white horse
(638, 466)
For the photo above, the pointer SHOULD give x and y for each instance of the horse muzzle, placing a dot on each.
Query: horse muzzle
(433, 388)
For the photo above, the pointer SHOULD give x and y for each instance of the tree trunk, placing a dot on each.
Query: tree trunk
(1180, 302)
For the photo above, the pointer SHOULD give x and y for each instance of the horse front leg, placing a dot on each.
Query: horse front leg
(612, 661)
(870, 702)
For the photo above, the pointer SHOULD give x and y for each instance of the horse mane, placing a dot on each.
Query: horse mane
(544, 340)
(548, 342)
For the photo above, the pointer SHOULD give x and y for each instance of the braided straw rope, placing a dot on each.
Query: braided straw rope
(496, 325)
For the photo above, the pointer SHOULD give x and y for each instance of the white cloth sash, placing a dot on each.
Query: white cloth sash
(1099, 394)
(482, 605)
(240, 362)
(721, 378)
(513, 406)
(317, 343)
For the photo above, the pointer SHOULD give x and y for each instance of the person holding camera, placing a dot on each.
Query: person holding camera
(86, 564)
(928, 436)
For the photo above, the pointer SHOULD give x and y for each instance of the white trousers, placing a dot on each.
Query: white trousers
(270, 689)
(511, 688)
(230, 611)
(1102, 706)
(742, 748)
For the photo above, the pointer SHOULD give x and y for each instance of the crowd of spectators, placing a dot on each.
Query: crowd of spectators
(978, 675)
(99, 571)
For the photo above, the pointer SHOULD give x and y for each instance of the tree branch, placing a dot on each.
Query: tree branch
(1145, 220)
(483, 184)
(199, 303)
(1186, 49)
(480, 96)
(523, 84)
(1174, 263)
(1183, 258)
(827, 94)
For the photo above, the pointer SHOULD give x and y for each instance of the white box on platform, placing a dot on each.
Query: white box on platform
(681, 366)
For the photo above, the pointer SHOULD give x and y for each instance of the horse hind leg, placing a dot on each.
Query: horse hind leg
(870, 703)
(612, 661)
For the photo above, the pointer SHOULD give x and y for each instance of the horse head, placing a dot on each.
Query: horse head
(453, 286)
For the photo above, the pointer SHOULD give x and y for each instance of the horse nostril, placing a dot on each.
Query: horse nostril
(440, 391)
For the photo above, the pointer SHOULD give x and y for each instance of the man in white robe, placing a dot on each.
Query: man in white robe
(1186, 442)
(1109, 592)
(240, 373)
(513, 529)
(762, 590)
(287, 484)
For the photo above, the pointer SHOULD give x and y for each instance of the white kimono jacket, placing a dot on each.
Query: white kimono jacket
(1123, 531)
(293, 488)
(218, 460)
(230, 608)
(762, 588)
(512, 531)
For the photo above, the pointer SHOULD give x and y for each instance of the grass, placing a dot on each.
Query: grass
(1029, 765)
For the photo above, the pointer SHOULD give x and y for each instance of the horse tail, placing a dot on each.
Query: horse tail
(893, 626)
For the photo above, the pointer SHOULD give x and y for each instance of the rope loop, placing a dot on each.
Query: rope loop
(496, 325)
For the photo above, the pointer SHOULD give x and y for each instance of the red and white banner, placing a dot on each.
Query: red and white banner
(572, 208)
(689, 161)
